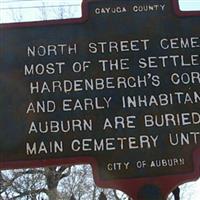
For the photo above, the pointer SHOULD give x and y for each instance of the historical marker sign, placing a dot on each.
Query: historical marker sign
(118, 88)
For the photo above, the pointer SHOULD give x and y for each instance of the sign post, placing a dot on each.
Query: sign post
(117, 88)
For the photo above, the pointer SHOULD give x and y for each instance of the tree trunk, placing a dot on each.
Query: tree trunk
(102, 196)
(52, 183)
(52, 194)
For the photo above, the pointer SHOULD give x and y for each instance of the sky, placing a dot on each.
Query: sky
(35, 10)
(11, 10)
(189, 4)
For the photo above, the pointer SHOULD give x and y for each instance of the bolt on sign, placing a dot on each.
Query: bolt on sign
(117, 88)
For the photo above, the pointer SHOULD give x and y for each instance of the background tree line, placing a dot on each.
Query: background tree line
(53, 183)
